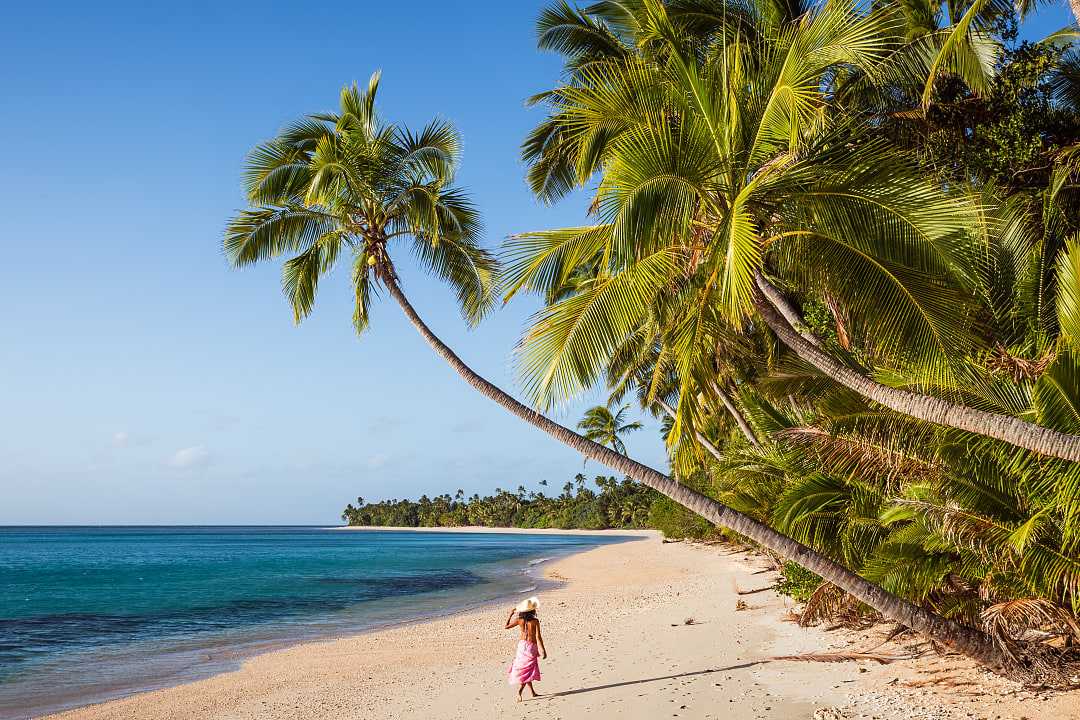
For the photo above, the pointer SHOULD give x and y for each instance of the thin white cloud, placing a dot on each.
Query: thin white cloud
(377, 461)
(190, 457)
(128, 439)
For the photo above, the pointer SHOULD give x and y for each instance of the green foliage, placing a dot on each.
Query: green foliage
(607, 428)
(618, 504)
(1006, 136)
(945, 520)
(332, 185)
(720, 157)
(909, 177)
(819, 320)
(797, 582)
(677, 522)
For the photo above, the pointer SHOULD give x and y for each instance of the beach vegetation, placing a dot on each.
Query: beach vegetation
(678, 522)
(832, 246)
(613, 504)
(797, 582)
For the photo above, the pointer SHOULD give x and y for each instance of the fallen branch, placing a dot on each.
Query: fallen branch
(844, 657)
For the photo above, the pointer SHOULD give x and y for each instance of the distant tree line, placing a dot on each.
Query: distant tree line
(614, 504)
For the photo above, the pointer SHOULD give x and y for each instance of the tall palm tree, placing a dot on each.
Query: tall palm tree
(725, 169)
(602, 426)
(347, 181)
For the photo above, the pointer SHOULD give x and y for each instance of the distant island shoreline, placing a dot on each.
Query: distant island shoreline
(483, 529)
(614, 505)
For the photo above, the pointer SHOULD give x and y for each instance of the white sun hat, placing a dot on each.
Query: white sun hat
(528, 605)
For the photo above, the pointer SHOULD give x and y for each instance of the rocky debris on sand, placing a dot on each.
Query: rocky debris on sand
(829, 713)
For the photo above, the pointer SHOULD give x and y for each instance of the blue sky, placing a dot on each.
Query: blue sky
(142, 380)
(145, 381)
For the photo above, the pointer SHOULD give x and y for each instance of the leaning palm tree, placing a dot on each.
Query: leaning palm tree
(602, 426)
(349, 183)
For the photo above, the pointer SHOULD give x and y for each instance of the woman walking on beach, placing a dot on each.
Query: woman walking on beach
(525, 669)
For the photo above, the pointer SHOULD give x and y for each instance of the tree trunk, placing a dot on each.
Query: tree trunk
(968, 641)
(744, 426)
(739, 419)
(704, 441)
(1075, 6)
(1014, 431)
(785, 308)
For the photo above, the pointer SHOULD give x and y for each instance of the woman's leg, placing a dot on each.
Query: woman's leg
(532, 690)
(521, 689)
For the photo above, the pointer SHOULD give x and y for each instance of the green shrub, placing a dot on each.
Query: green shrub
(676, 522)
(797, 582)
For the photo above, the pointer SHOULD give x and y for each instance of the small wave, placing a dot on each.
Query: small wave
(537, 561)
(522, 591)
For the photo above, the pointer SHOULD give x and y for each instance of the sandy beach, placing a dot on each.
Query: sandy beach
(635, 630)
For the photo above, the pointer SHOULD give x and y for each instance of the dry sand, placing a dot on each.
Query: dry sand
(619, 648)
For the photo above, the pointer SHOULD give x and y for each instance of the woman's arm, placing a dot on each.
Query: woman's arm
(510, 622)
(540, 642)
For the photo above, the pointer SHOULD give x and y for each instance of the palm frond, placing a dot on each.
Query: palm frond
(568, 344)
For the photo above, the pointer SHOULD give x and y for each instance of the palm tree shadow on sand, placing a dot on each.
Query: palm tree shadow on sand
(566, 693)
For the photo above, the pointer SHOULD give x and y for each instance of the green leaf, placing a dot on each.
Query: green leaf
(1068, 294)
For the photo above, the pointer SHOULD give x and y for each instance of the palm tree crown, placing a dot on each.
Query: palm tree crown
(349, 181)
(607, 428)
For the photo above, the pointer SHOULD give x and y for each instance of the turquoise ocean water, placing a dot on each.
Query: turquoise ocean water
(88, 614)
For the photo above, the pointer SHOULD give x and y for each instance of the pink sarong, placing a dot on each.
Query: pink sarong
(526, 665)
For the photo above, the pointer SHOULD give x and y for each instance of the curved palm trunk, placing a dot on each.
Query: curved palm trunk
(702, 440)
(736, 413)
(968, 641)
(785, 308)
(922, 407)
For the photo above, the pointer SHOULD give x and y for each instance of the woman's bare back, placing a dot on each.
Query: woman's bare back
(529, 629)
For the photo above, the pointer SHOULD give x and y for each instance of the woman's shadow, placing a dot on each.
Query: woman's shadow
(693, 673)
